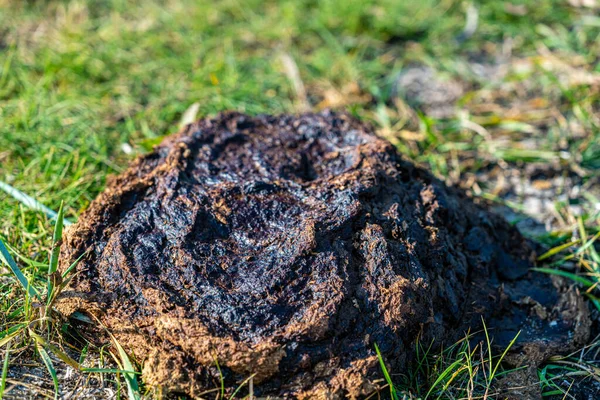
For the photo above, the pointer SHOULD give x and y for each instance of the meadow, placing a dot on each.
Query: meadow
(499, 98)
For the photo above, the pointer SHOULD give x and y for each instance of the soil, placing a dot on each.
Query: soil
(286, 247)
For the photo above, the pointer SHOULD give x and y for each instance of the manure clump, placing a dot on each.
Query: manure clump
(286, 247)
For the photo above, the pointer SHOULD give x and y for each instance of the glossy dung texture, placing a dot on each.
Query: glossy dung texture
(285, 248)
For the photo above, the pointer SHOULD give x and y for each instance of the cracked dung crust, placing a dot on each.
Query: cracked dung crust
(284, 247)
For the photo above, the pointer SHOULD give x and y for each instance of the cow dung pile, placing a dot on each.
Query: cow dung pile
(286, 247)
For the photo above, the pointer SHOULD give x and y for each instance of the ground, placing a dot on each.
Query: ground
(501, 98)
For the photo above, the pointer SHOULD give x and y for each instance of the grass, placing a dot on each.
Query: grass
(461, 371)
(85, 86)
(36, 320)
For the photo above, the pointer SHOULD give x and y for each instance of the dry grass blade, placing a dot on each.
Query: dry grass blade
(40, 341)
(10, 336)
(293, 74)
(555, 250)
(189, 115)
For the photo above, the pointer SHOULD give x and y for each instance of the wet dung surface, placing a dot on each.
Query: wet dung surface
(286, 247)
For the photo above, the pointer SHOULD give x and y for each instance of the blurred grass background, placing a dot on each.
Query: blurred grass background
(80, 79)
(85, 86)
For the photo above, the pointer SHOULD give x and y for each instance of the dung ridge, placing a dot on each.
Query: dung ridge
(286, 247)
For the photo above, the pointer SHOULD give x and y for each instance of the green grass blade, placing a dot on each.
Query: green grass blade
(133, 390)
(11, 332)
(8, 338)
(50, 367)
(240, 386)
(511, 344)
(7, 258)
(594, 255)
(595, 300)
(447, 372)
(73, 266)
(588, 244)
(565, 274)
(56, 238)
(221, 378)
(29, 201)
(557, 249)
(489, 346)
(4, 370)
(29, 261)
(386, 374)
(83, 354)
